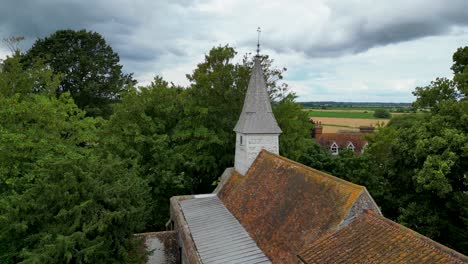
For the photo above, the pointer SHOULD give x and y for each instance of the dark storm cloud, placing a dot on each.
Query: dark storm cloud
(394, 23)
(117, 21)
(157, 35)
(33, 19)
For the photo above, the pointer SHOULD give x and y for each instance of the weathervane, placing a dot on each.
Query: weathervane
(258, 41)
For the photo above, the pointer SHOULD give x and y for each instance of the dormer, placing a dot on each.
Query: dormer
(334, 149)
(350, 146)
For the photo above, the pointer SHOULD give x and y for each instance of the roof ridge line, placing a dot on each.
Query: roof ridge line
(331, 177)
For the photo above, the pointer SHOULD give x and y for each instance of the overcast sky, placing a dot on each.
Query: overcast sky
(348, 50)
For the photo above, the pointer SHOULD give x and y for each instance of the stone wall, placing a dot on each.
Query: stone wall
(184, 238)
(162, 246)
(251, 145)
(364, 202)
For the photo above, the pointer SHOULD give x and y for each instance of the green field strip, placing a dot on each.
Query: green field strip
(341, 114)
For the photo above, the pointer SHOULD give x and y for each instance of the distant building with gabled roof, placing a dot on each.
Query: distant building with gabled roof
(343, 140)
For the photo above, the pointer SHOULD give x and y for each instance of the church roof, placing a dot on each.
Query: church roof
(282, 211)
(373, 238)
(284, 205)
(218, 236)
(257, 116)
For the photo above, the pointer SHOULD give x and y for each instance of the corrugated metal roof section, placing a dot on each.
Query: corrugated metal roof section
(217, 234)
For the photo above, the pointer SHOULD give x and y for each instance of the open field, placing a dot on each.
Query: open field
(333, 124)
(369, 106)
(341, 114)
(336, 118)
(344, 108)
(339, 110)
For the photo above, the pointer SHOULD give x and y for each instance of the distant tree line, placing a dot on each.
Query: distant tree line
(87, 158)
(353, 104)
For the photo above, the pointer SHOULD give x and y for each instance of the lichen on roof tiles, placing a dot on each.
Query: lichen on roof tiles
(284, 204)
(373, 238)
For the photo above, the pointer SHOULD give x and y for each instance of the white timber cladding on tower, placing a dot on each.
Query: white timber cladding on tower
(256, 128)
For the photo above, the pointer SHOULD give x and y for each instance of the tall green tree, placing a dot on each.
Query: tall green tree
(90, 68)
(213, 103)
(296, 137)
(141, 132)
(62, 199)
(15, 78)
(460, 69)
(424, 159)
(416, 168)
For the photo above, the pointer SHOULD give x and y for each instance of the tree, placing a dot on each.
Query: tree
(90, 68)
(276, 89)
(460, 69)
(141, 132)
(416, 167)
(62, 199)
(17, 79)
(294, 122)
(183, 139)
(13, 43)
(213, 103)
(382, 113)
(423, 157)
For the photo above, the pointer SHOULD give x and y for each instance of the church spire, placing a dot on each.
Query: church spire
(258, 41)
(256, 115)
(256, 128)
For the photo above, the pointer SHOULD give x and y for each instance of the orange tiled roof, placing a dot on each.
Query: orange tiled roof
(342, 139)
(373, 238)
(284, 205)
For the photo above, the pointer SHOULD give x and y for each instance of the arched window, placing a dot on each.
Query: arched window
(334, 148)
(350, 146)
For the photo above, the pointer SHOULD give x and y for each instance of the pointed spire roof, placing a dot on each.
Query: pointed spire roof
(257, 116)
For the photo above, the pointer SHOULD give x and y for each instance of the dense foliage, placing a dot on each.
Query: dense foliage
(416, 167)
(181, 140)
(382, 113)
(62, 200)
(90, 68)
(74, 188)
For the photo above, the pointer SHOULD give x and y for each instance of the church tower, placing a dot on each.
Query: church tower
(256, 128)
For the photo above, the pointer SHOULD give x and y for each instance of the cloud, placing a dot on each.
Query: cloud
(168, 37)
(317, 28)
(336, 28)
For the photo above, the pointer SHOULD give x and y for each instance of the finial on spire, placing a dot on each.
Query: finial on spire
(258, 41)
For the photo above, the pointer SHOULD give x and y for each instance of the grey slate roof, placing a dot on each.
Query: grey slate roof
(217, 234)
(257, 116)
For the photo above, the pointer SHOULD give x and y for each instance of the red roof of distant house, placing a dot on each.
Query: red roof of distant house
(342, 140)
(372, 238)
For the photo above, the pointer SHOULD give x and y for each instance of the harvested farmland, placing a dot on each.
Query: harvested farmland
(334, 124)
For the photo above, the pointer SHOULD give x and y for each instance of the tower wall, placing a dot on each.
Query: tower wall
(247, 150)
